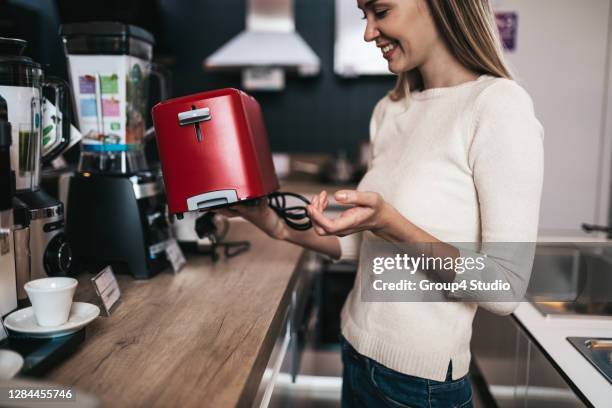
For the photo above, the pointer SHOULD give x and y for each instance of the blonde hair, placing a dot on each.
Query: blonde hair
(468, 27)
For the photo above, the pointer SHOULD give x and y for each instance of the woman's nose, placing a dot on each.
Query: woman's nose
(371, 32)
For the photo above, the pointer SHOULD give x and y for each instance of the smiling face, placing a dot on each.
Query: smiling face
(403, 30)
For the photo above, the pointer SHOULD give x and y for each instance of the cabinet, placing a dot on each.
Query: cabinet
(517, 372)
(562, 58)
(283, 363)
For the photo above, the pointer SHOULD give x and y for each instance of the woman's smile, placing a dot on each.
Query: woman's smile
(388, 49)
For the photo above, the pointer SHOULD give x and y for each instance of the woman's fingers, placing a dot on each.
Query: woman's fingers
(334, 226)
(349, 221)
(314, 200)
(312, 210)
(361, 198)
(324, 201)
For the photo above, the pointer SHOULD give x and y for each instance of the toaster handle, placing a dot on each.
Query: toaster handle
(194, 116)
(211, 199)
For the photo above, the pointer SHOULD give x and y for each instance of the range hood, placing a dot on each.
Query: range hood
(269, 41)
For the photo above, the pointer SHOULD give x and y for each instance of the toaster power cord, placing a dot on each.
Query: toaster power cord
(295, 216)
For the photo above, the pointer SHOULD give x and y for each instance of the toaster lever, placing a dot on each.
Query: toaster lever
(194, 116)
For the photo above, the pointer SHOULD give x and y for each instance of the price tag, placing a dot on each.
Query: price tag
(3, 333)
(175, 255)
(107, 288)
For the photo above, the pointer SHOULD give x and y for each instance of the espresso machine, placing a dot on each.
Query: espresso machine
(116, 206)
(8, 288)
(38, 234)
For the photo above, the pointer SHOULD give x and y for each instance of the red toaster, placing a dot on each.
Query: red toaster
(214, 150)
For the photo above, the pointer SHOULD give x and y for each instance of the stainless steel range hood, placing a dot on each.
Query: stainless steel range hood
(269, 41)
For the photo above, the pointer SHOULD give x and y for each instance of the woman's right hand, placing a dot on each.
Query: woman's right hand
(260, 215)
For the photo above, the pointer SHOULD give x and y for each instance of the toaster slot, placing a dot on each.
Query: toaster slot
(198, 132)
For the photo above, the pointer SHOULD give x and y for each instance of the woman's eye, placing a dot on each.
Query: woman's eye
(365, 17)
(380, 13)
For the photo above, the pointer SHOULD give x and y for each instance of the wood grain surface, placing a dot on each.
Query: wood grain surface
(201, 338)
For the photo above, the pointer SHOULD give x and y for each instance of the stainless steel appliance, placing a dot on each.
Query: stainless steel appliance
(572, 279)
(40, 247)
(8, 292)
(598, 351)
(116, 206)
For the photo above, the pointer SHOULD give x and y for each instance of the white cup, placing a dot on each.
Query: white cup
(51, 299)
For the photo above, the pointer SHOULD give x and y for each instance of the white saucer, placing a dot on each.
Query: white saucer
(10, 364)
(23, 321)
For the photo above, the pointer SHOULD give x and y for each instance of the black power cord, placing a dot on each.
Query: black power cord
(296, 216)
(205, 228)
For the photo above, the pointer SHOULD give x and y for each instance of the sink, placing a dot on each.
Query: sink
(598, 351)
(572, 279)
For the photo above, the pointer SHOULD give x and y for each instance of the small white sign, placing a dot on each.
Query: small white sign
(107, 288)
(3, 333)
(175, 255)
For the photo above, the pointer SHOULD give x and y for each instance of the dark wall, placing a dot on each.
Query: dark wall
(321, 114)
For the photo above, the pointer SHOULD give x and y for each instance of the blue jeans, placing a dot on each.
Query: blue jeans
(366, 383)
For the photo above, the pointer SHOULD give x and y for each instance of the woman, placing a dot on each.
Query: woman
(457, 157)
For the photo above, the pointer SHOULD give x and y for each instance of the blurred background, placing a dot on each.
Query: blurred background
(317, 81)
(321, 113)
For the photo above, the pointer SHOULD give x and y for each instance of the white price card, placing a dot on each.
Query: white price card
(107, 288)
(3, 333)
(175, 255)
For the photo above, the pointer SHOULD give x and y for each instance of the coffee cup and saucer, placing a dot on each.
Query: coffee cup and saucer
(53, 313)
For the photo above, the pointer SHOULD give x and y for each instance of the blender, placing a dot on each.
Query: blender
(38, 234)
(8, 288)
(116, 206)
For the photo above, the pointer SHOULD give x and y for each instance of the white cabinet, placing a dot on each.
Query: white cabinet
(562, 58)
(516, 371)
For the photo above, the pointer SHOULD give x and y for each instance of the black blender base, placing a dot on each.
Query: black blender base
(41, 355)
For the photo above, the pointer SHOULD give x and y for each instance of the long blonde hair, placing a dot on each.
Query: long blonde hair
(469, 30)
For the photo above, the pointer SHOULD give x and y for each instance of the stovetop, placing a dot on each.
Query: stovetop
(598, 351)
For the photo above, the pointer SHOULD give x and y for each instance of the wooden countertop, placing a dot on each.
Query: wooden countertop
(200, 338)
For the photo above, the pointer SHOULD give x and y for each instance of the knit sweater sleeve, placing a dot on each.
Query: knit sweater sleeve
(506, 159)
(350, 244)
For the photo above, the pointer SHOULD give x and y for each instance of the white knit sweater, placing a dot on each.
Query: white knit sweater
(465, 164)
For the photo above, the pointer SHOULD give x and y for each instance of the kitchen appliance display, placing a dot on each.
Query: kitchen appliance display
(40, 247)
(110, 65)
(118, 221)
(116, 203)
(32, 117)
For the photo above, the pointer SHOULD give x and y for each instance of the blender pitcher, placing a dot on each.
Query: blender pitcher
(110, 65)
(22, 82)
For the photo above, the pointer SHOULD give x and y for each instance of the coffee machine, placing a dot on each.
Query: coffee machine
(116, 212)
(8, 288)
(40, 246)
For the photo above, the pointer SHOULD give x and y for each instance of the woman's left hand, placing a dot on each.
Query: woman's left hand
(370, 212)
